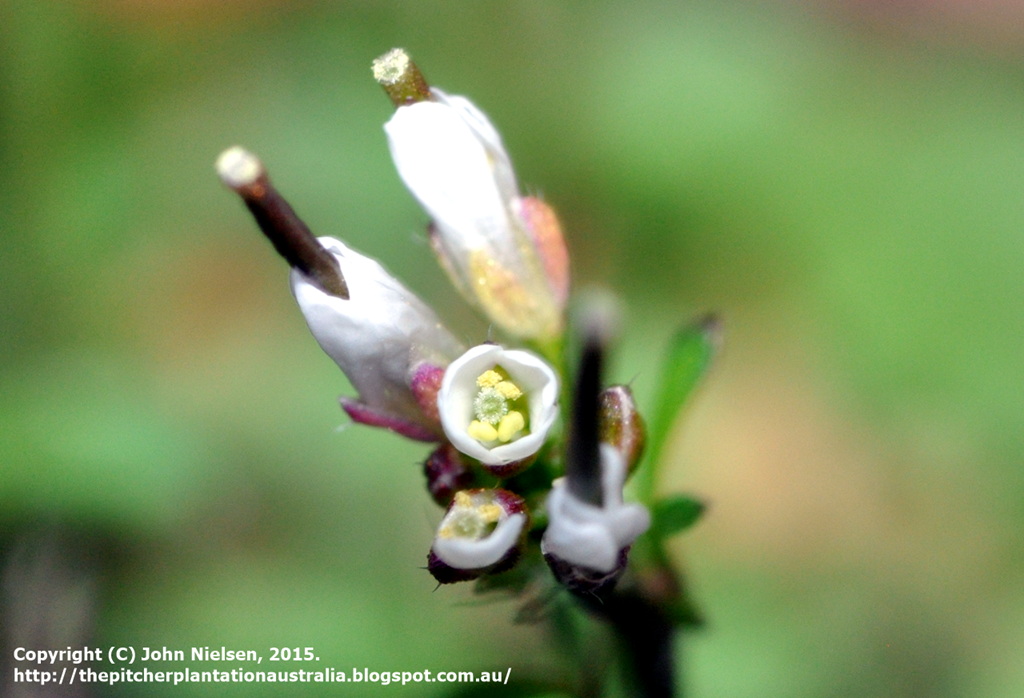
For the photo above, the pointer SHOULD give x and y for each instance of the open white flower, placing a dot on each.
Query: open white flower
(497, 405)
(591, 536)
(480, 528)
(505, 253)
(378, 336)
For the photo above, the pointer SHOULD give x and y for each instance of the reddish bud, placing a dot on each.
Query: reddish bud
(446, 474)
(621, 424)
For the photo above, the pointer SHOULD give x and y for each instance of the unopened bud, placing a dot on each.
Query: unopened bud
(621, 424)
(446, 474)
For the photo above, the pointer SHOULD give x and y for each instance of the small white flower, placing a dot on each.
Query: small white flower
(497, 405)
(453, 161)
(378, 336)
(479, 529)
(590, 536)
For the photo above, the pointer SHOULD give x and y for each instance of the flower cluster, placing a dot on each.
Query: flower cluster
(510, 471)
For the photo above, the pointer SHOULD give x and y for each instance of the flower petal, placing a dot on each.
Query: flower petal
(465, 554)
(378, 336)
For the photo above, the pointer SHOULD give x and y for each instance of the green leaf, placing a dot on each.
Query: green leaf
(689, 356)
(675, 514)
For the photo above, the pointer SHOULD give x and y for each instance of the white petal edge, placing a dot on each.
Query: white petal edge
(464, 554)
(458, 389)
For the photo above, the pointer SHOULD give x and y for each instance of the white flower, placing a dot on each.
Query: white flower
(378, 336)
(479, 529)
(481, 394)
(495, 247)
(590, 536)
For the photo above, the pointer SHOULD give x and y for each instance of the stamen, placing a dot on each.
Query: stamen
(481, 431)
(511, 424)
(489, 379)
(489, 513)
(469, 520)
(509, 390)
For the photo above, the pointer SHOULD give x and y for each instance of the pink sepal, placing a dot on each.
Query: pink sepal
(364, 414)
(426, 381)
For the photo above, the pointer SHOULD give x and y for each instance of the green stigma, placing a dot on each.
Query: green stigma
(490, 406)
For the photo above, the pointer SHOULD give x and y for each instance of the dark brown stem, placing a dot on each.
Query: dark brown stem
(290, 236)
(647, 639)
(582, 456)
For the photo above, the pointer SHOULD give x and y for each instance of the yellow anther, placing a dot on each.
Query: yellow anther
(489, 513)
(511, 424)
(468, 519)
(508, 390)
(488, 379)
(481, 431)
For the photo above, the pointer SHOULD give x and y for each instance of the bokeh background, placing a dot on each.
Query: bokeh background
(842, 181)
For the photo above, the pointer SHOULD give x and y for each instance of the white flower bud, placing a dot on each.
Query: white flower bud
(589, 536)
(453, 161)
(378, 336)
(497, 405)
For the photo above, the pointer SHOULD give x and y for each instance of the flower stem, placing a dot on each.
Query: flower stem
(646, 637)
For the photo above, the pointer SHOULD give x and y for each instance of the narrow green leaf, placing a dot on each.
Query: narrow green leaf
(675, 514)
(689, 356)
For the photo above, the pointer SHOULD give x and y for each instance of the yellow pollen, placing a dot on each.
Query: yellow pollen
(467, 519)
(489, 513)
(510, 425)
(481, 431)
(508, 390)
(489, 379)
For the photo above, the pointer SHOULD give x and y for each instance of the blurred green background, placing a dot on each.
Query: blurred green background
(844, 183)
